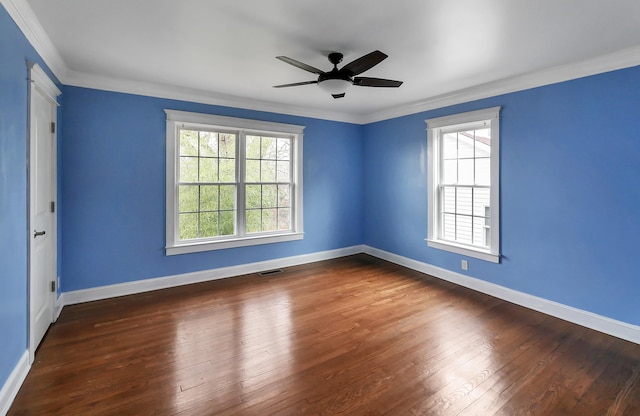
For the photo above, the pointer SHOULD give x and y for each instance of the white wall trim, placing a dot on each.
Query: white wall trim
(129, 288)
(58, 307)
(624, 58)
(23, 15)
(28, 23)
(149, 89)
(580, 317)
(14, 382)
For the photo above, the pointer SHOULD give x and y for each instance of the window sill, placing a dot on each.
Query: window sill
(200, 246)
(464, 250)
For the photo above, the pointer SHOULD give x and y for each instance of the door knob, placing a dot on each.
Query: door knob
(38, 233)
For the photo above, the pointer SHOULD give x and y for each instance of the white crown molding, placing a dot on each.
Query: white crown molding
(79, 79)
(14, 382)
(624, 58)
(618, 60)
(580, 317)
(26, 20)
(23, 16)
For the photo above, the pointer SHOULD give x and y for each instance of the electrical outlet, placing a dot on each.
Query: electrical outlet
(465, 265)
(58, 283)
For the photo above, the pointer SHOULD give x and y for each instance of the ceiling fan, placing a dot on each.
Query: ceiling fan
(337, 80)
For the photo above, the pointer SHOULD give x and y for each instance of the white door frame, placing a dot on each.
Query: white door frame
(40, 83)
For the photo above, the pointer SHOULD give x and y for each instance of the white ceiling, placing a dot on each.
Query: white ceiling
(224, 50)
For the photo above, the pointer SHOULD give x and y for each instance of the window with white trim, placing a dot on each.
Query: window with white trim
(231, 182)
(464, 197)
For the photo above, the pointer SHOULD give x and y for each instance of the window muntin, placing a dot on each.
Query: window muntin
(231, 182)
(463, 183)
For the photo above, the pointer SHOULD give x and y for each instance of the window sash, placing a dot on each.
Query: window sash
(177, 121)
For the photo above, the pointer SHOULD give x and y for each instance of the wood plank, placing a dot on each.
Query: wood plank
(355, 335)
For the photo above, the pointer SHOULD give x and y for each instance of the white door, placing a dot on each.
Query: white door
(42, 197)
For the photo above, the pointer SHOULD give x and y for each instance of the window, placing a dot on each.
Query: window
(463, 183)
(231, 182)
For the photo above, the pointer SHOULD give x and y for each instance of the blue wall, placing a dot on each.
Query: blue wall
(15, 51)
(570, 163)
(570, 159)
(113, 190)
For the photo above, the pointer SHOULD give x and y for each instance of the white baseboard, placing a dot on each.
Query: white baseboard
(580, 317)
(129, 288)
(58, 307)
(13, 383)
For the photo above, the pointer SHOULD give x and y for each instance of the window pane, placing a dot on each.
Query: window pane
(450, 172)
(449, 227)
(227, 170)
(268, 148)
(227, 197)
(269, 219)
(465, 171)
(483, 171)
(253, 147)
(284, 219)
(483, 147)
(449, 146)
(284, 149)
(466, 143)
(268, 171)
(464, 201)
(227, 145)
(208, 144)
(483, 143)
(209, 224)
(188, 226)
(209, 198)
(481, 200)
(284, 199)
(254, 221)
(269, 196)
(188, 169)
(463, 229)
(188, 143)
(253, 196)
(479, 234)
(283, 173)
(227, 223)
(253, 171)
(449, 199)
(208, 169)
(188, 198)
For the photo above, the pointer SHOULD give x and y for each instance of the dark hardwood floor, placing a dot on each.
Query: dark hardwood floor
(352, 336)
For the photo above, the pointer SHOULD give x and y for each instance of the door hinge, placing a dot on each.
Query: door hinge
(53, 206)
(53, 285)
(53, 127)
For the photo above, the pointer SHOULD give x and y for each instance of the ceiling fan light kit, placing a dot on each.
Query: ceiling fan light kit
(334, 86)
(337, 81)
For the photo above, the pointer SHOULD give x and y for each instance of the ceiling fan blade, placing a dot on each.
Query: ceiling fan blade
(300, 65)
(375, 82)
(364, 63)
(338, 95)
(295, 84)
